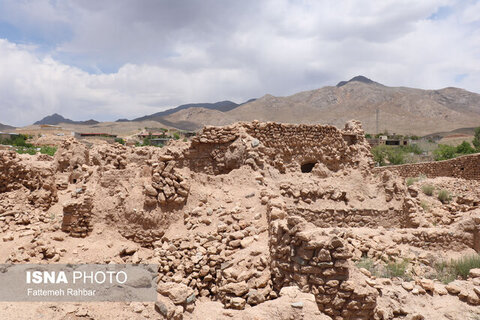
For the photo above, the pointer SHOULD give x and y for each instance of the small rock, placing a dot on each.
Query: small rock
(453, 289)
(177, 292)
(475, 273)
(137, 307)
(7, 238)
(237, 303)
(246, 242)
(440, 289)
(298, 305)
(407, 286)
(165, 307)
(427, 284)
(365, 272)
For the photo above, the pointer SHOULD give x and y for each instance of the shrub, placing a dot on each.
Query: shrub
(48, 150)
(444, 272)
(463, 265)
(378, 155)
(465, 148)
(395, 157)
(412, 148)
(366, 263)
(447, 272)
(444, 196)
(146, 142)
(410, 181)
(120, 140)
(476, 139)
(424, 206)
(176, 136)
(428, 189)
(397, 269)
(26, 150)
(444, 152)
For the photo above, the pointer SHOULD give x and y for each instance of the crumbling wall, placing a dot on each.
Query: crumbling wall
(287, 147)
(319, 263)
(465, 167)
(77, 216)
(168, 187)
(39, 179)
(370, 218)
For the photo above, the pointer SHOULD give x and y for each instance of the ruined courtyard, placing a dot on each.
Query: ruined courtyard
(256, 220)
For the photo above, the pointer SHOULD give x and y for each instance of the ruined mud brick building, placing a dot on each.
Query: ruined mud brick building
(318, 206)
(465, 167)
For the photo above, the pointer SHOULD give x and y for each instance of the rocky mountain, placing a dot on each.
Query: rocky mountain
(222, 106)
(400, 109)
(5, 127)
(55, 119)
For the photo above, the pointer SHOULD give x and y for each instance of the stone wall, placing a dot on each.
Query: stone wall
(168, 186)
(218, 150)
(17, 173)
(369, 218)
(466, 167)
(77, 216)
(318, 262)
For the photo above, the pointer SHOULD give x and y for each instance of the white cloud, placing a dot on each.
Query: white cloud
(164, 53)
(32, 87)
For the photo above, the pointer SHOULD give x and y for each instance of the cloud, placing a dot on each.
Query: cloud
(111, 59)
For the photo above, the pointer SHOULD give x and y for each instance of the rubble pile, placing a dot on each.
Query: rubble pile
(248, 220)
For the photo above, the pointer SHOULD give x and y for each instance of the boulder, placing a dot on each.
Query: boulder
(177, 292)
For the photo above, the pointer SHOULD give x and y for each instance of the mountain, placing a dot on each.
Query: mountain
(401, 110)
(358, 79)
(5, 127)
(222, 106)
(55, 119)
(196, 118)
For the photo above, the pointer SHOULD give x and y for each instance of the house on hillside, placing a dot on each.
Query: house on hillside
(7, 135)
(153, 135)
(392, 140)
(50, 127)
(101, 136)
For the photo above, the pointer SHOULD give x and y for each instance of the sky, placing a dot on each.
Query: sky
(114, 59)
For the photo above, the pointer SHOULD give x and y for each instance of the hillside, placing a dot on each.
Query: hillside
(196, 118)
(4, 127)
(401, 110)
(221, 106)
(55, 119)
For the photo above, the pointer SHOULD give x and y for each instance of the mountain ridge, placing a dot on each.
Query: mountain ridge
(401, 109)
(55, 119)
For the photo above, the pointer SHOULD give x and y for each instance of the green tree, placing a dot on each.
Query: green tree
(395, 157)
(476, 139)
(465, 148)
(444, 152)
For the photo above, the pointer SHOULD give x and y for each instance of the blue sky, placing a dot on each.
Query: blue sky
(123, 58)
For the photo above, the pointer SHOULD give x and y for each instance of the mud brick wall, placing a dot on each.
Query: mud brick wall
(318, 263)
(219, 135)
(77, 216)
(371, 218)
(167, 186)
(286, 147)
(466, 167)
(39, 180)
